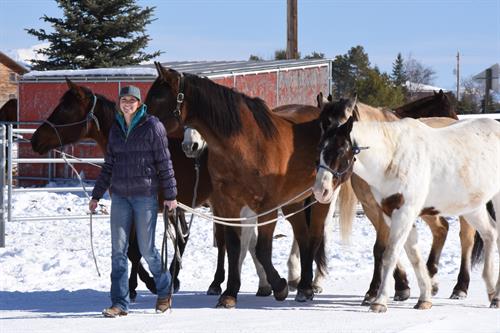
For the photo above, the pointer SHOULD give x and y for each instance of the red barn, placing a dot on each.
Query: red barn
(276, 82)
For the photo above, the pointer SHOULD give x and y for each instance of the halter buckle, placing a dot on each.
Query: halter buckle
(180, 98)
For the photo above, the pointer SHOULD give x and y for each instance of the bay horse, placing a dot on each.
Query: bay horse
(334, 114)
(257, 160)
(413, 169)
(73, 110)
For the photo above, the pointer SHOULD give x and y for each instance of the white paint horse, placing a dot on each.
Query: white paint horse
(413, 169)
(193, 145)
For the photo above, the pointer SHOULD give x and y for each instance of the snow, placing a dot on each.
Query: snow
(48, 282)
(122, 71)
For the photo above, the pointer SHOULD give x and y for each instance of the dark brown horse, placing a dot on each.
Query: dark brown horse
(438, 105)
(257, 160)
(74, 108)
(8, 112)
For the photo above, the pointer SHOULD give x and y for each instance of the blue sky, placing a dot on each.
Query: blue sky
(430, 31)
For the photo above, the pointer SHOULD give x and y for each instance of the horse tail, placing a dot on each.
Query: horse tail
(347, 209)
(478, 248)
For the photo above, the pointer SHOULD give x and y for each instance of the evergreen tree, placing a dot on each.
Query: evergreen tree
(255, 58)
(347, 69)
(376, 89)
(95, 33)
(315, 55)
(398, 76)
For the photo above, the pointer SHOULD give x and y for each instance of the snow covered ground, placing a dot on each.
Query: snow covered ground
(48, 283)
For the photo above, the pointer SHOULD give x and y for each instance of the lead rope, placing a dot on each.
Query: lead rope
(63, 154)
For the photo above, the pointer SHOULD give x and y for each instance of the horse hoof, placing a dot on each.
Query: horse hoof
(226, 302)
(214, 291)
(317, 289)
(423, 305)
(435, 289)
(304, 295)
(132, 296)
(282, 294)
(458, 294)
(264, 291)
(378, 308)
(402, 295)
(495, 303)
(293, 285)
(368, 300)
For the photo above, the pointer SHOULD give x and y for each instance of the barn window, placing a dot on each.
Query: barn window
(12, 77)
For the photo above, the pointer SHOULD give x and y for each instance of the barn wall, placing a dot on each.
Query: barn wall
(38, 99)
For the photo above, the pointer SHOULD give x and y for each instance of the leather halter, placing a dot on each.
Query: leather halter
(180, 98)
(337, 174)
(90, 117)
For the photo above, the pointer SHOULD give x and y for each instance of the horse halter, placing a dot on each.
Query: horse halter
(337, 174)
(90, 117)
(180, 98)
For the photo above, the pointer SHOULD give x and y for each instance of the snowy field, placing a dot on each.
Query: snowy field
(48, 283)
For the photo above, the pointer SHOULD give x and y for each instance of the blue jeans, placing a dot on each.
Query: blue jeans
(143, 211)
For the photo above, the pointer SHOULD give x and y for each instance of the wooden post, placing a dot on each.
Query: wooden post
(487, 88)
(292, 51)
(458, 76)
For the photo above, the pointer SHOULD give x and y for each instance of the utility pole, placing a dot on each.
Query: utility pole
(458, 76)
(292, 51)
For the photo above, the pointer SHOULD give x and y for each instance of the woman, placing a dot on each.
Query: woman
(137, 165)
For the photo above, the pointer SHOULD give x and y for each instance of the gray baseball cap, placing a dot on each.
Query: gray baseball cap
(131, 91)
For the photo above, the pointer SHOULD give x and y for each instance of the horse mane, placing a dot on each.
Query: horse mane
(219, 107)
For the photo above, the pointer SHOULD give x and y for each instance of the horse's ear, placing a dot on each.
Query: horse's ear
(319, 100)
(159, 69)
(75, 89)
(330, 98)
(348, 125)
(168, 75)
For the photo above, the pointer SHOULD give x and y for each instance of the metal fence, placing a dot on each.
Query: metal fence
(7, 160)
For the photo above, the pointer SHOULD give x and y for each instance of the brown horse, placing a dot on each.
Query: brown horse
(257, 160)
(73, 110)
(335, 114)
(8, 112)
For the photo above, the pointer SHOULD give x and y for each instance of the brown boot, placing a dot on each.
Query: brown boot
(113, 312)
(163, 304)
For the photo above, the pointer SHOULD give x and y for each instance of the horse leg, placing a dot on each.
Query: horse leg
(175, 265)
(481, 221)
(228, 298)
(495, 301)
(439, 228)
(467, 235)
(264, 286)
(401, 224)
(376, 216)
(421, 271)
(301, 234)
(293, 265)
(402, 288)
(220, 273)
(263, 252)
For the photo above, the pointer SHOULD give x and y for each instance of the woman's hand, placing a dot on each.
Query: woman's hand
(93, 205)
(170, 204)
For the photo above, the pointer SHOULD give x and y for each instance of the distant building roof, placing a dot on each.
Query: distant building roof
(12, 64)
(420, 87)
(203, 68)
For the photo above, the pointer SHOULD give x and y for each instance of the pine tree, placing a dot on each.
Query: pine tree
(95, 33)
(347, 69)
(398, 76)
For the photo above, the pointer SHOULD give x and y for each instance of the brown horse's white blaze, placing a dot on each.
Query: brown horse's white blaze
(455, 177)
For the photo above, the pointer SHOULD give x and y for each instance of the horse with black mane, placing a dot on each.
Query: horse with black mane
(257, 161)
